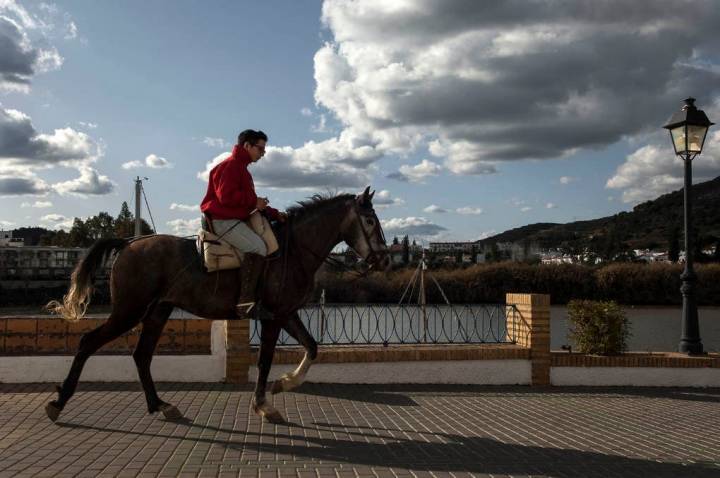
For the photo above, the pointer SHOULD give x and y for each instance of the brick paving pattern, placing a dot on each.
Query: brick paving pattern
(364, 431)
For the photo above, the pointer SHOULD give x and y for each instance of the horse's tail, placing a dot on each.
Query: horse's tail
(75, 303)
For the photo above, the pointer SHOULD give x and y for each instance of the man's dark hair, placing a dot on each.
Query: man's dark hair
(251, 136)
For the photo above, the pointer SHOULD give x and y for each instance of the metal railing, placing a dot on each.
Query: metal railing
(363, 324)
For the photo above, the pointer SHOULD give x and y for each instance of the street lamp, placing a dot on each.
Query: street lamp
(688, 128)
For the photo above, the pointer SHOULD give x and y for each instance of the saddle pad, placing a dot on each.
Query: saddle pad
(216, 253)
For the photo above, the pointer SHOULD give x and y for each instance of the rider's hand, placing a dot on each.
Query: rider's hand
(262, 203)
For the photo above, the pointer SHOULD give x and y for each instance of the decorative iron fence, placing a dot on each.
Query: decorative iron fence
(362, 324)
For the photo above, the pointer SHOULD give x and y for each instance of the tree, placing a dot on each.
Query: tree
(125, 222)
(674, 244)
(406, 250)
(79, 235)
(395, 241)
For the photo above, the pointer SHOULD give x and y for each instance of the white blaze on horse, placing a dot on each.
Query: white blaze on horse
(152, 275)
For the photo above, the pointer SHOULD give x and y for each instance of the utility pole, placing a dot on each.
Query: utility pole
(138, 191)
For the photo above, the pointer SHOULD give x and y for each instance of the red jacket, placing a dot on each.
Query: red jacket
(231, 191)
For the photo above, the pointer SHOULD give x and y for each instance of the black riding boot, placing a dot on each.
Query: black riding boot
(252, 268)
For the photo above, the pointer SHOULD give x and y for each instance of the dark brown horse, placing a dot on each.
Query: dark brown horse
(152, 275)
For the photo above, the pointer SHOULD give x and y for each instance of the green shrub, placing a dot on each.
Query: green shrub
(598, 327)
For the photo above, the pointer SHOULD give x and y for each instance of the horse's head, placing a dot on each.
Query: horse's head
(361, 230)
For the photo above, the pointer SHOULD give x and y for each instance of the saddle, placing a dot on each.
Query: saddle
(216, 254)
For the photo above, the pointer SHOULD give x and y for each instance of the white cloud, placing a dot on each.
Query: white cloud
(525, 209)
(469, 210)
(57, 221)
(433, 208)
(550, 205)
(25, 47)
(37, 204)
(484, 84)
(216, 142)
(6, 224)
(306, 111)
(417, 173)
(567, 179)
(184, 207)
(18, 181)
(22, 144)
(653, 170)
(88, 183)
(384, 199)
(88, 125)
(342, 162)
(412, 226)
(184, 227)
(152, 161)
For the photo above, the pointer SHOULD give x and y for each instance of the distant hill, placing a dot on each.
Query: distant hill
(649, 225)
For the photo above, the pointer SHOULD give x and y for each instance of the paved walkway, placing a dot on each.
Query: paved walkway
(357, 431)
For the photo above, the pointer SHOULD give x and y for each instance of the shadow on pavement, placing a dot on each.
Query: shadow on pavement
(449, 452)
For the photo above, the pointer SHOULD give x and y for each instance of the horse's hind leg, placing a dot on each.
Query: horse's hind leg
(269, 332)
(297, 330)
(152, 329)
(90, 342)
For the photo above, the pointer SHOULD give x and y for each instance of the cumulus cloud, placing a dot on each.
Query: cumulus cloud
(486, 82)
(19, 183)
(384, 199)
(433, 208)
(57, 221)
(151, 161)
(567, 179)
(88, 183)
(37, 204)
(25, 49)
(306, 111)
(88, 125)
(653, 170)
(22, 144)
(550, 205)
(417, 173)
(184, 207)
(342, 162)
(412, 226)
(525, 209)
(184, 227)
(469, 210)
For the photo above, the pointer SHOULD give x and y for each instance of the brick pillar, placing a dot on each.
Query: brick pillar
(237, 345)
(529, 325)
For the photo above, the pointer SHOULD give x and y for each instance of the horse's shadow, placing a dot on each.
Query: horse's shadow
(376, 447)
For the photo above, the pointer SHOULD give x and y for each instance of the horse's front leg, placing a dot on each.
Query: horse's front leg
(296, 329)
(269, 332)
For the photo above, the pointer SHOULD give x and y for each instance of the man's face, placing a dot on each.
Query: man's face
(256, 151)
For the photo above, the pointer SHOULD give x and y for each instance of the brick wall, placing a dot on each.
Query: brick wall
(54, 336)
(529, 321)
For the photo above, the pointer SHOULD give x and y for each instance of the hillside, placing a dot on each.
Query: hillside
(648, 225)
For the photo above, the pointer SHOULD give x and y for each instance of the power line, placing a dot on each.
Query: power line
(142, 188)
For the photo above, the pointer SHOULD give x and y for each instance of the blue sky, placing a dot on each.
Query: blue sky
(467, 118)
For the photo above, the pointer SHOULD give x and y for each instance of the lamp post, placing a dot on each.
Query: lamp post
(688, 128)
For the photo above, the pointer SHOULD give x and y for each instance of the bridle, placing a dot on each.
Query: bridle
(369, 213)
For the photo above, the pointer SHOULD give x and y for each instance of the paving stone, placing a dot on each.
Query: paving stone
(360, 431)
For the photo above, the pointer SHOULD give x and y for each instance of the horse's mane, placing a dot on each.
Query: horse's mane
(317, 202)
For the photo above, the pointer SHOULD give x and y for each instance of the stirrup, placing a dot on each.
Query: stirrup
(245, 309)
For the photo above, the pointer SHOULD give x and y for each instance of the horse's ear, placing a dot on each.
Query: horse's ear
(371, 195)
(366, 192)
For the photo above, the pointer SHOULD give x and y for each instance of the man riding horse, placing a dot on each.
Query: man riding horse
(230, 201)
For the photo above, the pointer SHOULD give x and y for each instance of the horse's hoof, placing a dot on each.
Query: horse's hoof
(276, 387)
(170, 412)
(268, 413)
(53, 411)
